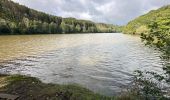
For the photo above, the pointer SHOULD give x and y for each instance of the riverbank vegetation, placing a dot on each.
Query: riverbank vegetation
(18, 19)
(154, 29)
(29, 88)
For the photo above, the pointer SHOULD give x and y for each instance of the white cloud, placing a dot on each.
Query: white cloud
(108, 11)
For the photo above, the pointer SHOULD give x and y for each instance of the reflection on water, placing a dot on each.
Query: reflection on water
(104, 63)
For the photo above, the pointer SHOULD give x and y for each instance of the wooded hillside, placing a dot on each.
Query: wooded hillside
(18, 19)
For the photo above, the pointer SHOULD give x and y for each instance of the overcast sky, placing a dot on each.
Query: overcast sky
(108, 11)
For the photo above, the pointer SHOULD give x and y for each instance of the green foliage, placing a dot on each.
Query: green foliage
(4, 26)
(147, 85)
(101, 27)
(65, 28)
(145, 20)
(150, 85)
(78, 28)
(154, 29)
(159, 35)
(18, 19)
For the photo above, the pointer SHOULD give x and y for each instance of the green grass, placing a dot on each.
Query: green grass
(29, 88)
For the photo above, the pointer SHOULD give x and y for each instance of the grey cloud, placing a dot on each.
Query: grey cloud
(107, 11)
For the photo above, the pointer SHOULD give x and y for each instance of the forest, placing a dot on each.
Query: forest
(18, 19)
(141, 23)
(153, 27)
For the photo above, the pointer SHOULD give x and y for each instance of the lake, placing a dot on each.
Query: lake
(103, 63)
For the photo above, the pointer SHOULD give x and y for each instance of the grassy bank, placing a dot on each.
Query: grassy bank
(29, 88)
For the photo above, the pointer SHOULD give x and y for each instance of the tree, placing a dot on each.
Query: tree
(45, 27)
(65, 28)
(52, 27)
(4, 27)
(13, 27)
(159, 34)
(142, 29)
(84, 28)
(78, 28)
(19, 19)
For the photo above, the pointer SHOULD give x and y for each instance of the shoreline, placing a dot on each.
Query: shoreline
(30, 88)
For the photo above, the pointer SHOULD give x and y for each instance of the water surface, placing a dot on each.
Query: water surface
(103, 63)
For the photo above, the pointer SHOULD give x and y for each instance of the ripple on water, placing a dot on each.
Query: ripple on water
(104, 63)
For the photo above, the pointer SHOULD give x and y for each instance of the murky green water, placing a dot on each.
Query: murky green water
(104, 63)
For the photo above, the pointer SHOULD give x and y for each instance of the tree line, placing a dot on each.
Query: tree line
(140, 24)
(18, 19)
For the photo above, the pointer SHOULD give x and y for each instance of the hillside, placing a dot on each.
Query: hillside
(140, 24)
(154, 28)
(18, 19)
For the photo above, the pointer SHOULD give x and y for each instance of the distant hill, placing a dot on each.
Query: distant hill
(18, 19)
(140, 24)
